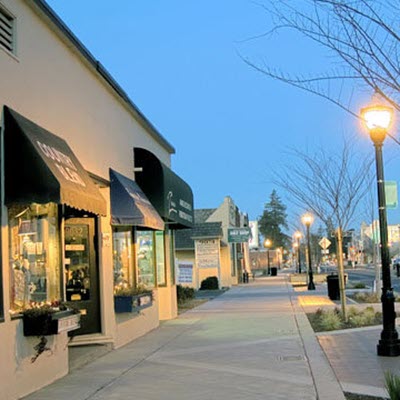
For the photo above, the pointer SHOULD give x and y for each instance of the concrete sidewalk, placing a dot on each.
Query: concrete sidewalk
(352, 353)
(252, 342)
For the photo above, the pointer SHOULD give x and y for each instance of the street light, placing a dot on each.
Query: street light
(307, 220)
(297, 236)
(267, 245)
(377, 119)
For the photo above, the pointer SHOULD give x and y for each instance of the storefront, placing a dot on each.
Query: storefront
(138, 254)
(52, 208)
(172, 197)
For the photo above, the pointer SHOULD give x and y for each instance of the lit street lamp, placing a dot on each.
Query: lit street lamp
(307, 220)
(267, 245)
(377, 119)
(297, 236)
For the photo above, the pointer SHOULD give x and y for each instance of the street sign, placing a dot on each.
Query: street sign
(325, 251)
(324, 243)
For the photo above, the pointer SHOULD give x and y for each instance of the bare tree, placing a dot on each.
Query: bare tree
(363, 36)
(331, 185)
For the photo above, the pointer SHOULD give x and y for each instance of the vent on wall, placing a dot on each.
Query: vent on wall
(6, 31)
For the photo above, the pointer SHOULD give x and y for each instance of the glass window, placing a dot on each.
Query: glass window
(171, 234)
(34, 254)
(160, 258)
(122, 257)
(145, 258)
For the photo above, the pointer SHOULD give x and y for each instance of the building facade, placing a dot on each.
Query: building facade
(208, 249)
(89, 204)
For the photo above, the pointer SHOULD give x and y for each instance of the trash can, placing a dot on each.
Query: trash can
(274, 271)
(333, 287)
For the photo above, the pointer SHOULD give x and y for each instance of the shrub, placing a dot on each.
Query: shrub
(366, 297)
(392, 384)
(210, 283)
(184, 293)
(359, 285)
(330, 321)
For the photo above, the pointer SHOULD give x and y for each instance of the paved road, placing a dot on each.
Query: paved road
(367, 276)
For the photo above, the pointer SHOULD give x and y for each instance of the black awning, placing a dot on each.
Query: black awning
(130, 206)
(40, 167)
(171, 196)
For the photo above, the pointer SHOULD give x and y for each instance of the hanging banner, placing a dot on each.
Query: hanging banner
(391, 194)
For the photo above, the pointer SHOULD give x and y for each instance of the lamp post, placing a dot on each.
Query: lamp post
(267, 245)
(297, 235)
(377, 118)
(307, 220)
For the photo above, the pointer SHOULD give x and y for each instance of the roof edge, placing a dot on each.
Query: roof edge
(101, 70)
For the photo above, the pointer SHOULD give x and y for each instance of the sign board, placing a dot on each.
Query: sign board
(238, 235)
(391, 194)
(324, 243)
(207, 253)
(185, 272)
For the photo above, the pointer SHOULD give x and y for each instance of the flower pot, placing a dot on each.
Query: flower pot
(51, 323)
(124, 304)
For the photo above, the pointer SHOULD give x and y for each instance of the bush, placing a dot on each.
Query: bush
(210, 283)
(359, 285)
(184, 293)
(323, 320)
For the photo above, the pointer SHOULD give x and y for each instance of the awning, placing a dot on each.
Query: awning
(130, 206)
(170, 195)
(40, 167)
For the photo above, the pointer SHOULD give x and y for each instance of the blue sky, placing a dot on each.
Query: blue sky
(179, 62)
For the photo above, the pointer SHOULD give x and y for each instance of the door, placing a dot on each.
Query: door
(81, 273)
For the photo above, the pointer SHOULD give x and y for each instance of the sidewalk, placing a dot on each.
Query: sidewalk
(352, 352)
(252, 342)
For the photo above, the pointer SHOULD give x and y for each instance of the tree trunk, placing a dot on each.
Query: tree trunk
(342, 285)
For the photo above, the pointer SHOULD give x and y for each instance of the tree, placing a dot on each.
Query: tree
(363, 36)
(273, 220)
(330, 185)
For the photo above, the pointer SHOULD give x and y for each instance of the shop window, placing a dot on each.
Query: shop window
(160, 259)
(145, 258)
(172, 255)
(35, 274)
(122, 257)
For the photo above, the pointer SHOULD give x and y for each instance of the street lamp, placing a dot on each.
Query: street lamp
(378, 118)
(297, 236)
(267, 245)
(307, 220)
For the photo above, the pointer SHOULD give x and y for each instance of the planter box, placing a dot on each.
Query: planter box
(126, 304)
(51, 324)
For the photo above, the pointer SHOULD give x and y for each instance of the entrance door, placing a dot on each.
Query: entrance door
(81, 273)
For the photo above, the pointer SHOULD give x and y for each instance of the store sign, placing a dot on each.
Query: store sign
(207, 253)
(185, 272)
(238, 235)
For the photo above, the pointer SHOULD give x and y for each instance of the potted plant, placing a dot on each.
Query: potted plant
(45, 318)
(129, 299)
(48, 318)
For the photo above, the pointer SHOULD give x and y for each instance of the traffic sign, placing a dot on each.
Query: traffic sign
(324, 243)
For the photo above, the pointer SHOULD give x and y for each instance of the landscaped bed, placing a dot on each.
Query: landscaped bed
(329, 320)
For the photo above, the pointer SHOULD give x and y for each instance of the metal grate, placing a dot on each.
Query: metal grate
(6, 31)
(292, 358)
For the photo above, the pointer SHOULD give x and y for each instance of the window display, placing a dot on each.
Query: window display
(122, 257)
(145, 258)
(160, 257)
(34, 254)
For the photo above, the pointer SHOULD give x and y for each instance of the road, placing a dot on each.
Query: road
(367, 275)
